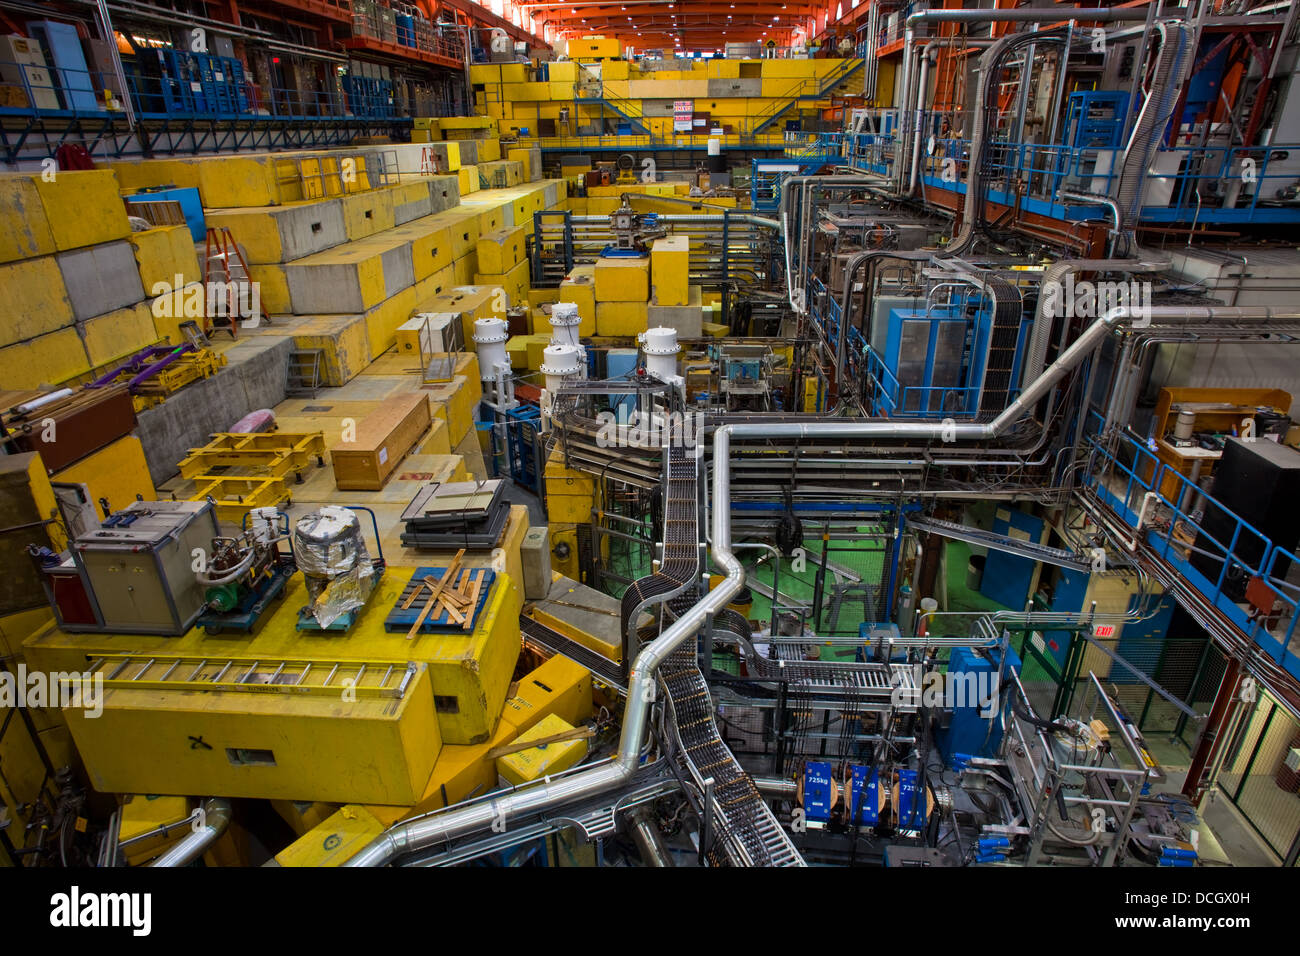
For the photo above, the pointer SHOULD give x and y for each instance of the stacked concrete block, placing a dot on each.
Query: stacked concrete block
(275, 234)
(686, 319)
(166, 258)
(73, 286)
(503, 263)
(350, 278)
(344, 344)
(100, 279)
(368, 213)
(670, 264)
(469, 151)
(621, 279)
(468, 179)
(471, 303)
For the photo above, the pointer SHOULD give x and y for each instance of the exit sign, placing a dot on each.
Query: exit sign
(1104, 630)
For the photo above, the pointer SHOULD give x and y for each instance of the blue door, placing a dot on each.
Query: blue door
(1008, 577)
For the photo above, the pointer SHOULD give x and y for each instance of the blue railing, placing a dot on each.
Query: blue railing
(1134, 482)
(1188, 184)
(193, 86)
(1225, 184)
(887, 397)
(1042, 172)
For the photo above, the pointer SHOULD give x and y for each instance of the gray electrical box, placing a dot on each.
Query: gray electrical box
(536, 554)
(138, 567)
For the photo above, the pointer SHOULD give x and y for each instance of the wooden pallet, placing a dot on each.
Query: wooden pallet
(441, 599)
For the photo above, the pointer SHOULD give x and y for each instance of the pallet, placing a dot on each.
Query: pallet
(467, 590)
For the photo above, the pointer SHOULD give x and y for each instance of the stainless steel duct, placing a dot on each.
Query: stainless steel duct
(646, 835)
(210, 822)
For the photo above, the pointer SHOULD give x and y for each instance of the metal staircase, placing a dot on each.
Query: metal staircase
(629, 109)
(783, 105)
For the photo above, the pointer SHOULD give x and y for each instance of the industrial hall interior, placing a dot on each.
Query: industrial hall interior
(649, 434)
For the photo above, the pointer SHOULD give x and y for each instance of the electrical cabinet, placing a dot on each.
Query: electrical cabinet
(22, 64)
(135, 573)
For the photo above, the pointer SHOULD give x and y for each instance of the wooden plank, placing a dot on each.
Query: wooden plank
(426, 581)
(419, 621)
(433, 597)
(577, 733)
(473, 602)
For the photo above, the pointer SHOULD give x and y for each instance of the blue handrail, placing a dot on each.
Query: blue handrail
(1131, 479)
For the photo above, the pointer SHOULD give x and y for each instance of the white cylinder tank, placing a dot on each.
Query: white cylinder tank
(559, 362)
(564, 323)
(490, 336)
(660, 348)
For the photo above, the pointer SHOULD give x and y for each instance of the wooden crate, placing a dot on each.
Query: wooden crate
(382, 440)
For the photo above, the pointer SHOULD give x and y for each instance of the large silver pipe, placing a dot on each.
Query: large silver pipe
(802, 186)
(654, 853)
(211, 822)
(922, 88)
(641, 693)
(990, 63)
(1106, 201)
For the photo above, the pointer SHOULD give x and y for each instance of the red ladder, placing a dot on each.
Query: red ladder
(225, 277)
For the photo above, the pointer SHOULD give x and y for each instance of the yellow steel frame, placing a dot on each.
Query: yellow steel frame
(275, 453)
(246, 491)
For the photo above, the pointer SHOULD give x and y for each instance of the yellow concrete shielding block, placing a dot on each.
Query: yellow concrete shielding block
(83, 207)
(343, 341)
(44, 360)
(335, 841)
(36, 301)
(622, 280)
(579, 287)
(501, 251)
(526, 765)
(117, 334)
(514, 282)
(117, 472)
(621, 319)
(162, 254)
(367, 213)
(24, 230)
(382, 321)
(670, 267)
(273, 288)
